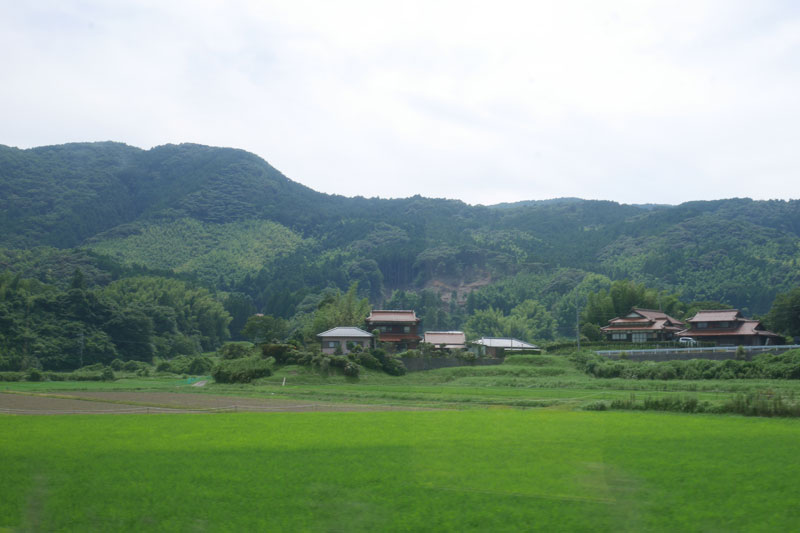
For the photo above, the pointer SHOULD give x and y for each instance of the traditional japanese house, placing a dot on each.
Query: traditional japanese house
(345, 339)
(643, 325)
(397, 327)
(447, 340)
(728, 327)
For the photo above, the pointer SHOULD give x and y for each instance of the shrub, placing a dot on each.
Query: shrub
(394, 366)
(367, 360)
(538, 360)
(465, 355)
(378, 352)
(241, 370)
(596, 406)
(82, 375)
(117, 364)
(762, 404)
(107, 374)
(351, 369)
(200, 366)
(321, 362)
(186, 364)
(132, 366)
(34, 374)
(741, 355)
(303, 358)
(279, 352)
(236, 350)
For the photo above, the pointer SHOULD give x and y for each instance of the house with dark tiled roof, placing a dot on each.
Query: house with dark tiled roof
(344, 339)
(728, 327)
(397, 327)
(643, 325)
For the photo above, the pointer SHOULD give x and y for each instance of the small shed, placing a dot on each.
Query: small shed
(345, 338)
(448, 340)
(497, 346)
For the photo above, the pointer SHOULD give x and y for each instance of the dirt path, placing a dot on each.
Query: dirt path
(114, 402)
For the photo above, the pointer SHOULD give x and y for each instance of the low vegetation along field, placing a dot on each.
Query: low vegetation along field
(455, 453)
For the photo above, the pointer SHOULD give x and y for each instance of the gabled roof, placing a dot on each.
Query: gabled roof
(644, 319)
(717, 315)
(393, 315)
(750, 328)
(502, 342)
(446, 337)
(655, 315)
(346, 332)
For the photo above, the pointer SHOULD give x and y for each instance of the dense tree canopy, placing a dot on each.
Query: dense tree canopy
(784, 317)
(131, 319)
(183, 219)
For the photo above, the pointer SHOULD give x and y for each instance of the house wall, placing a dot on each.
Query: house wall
(342, 342)
(649, 334)
(399, 329)
(732, 340)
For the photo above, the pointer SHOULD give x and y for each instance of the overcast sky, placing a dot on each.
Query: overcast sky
(487, 102)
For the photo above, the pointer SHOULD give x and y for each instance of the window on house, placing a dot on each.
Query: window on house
(702, 325)
(638, 337)
(406, 329)
(333, 344)
(619, 336)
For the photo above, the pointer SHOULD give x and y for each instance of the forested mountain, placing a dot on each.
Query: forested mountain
(226, 220)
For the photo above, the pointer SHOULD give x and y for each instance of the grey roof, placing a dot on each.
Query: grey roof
(345, 332)
(497, 342)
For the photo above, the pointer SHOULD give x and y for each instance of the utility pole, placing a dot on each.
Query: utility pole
(578, 325)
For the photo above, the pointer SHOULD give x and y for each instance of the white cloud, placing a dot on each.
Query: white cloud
(628, 100)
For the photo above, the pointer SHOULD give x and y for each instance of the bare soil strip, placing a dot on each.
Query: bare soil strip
(114, 402)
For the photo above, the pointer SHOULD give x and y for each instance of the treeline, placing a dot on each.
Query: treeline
(543, 308)
(139, 318)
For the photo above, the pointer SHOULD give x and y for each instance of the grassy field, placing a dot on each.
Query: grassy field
(469, 470)
(481, 464)
(535, 381)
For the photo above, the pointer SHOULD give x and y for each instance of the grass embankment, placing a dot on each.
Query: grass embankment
(522, 381)
(433, 471)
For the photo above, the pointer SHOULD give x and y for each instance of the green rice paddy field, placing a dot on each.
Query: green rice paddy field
(466, 470)
(506, 448)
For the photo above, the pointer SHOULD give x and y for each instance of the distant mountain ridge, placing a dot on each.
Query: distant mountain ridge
(238, 224)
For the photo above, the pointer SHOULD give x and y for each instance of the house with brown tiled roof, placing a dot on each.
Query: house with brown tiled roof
(643, 325)
(397, 327)
(728, 327)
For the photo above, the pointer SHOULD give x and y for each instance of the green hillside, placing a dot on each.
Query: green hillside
(227, 219)
(213, 252)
